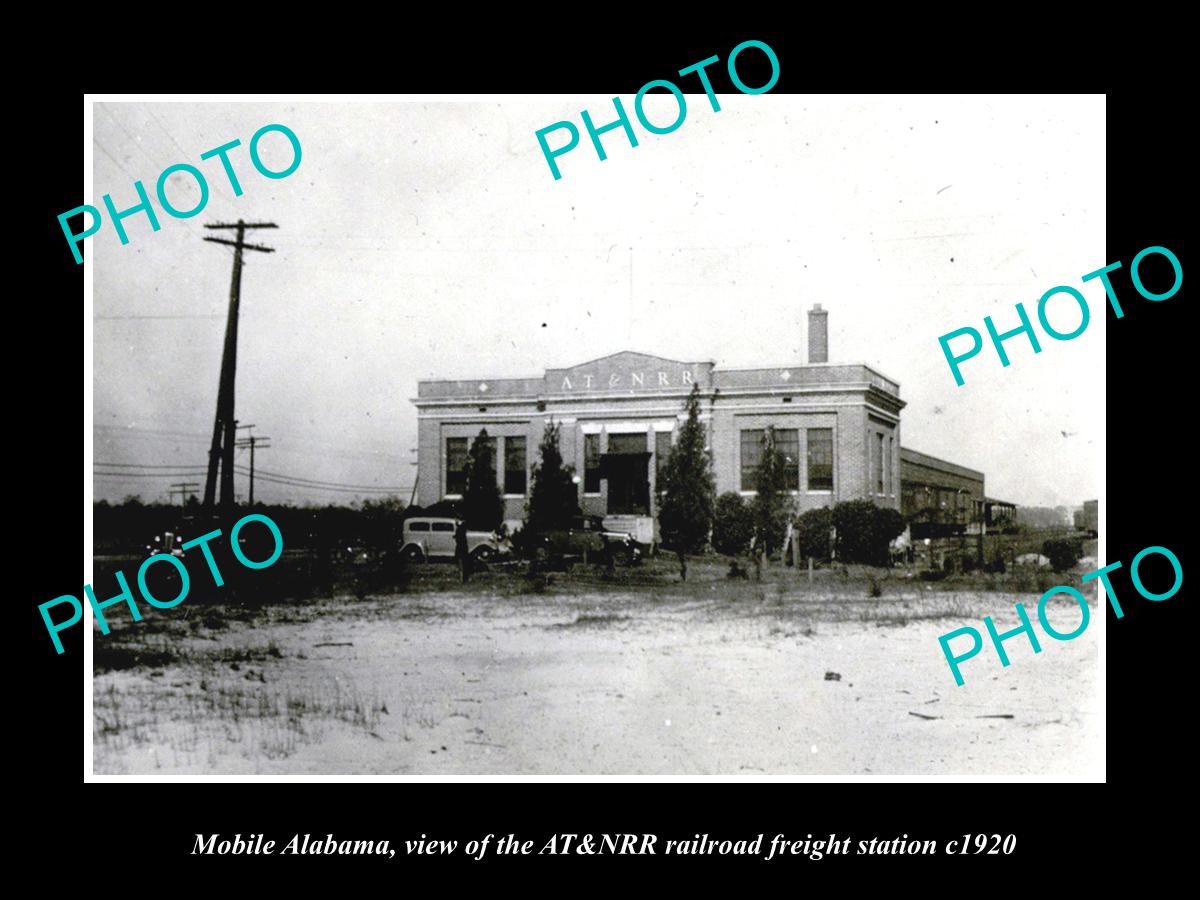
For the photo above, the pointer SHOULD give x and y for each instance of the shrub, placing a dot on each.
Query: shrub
(522, 542)
(1062, 553)
(553, 497)
(483, 505)
(813, 530)
(733, 525)
(865, 530)
(686, 489)
(770, 506)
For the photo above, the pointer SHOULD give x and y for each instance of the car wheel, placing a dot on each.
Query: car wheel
(412, 553)
(483, 554)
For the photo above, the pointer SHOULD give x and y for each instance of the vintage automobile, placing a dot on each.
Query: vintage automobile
(427, 537)
(169, 543)
(586, 536)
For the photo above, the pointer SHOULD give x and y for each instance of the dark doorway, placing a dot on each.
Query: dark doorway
(628, 483)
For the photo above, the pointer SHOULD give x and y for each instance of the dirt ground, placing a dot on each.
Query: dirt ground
(508, 677)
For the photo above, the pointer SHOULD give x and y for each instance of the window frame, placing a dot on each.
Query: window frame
(510, 442)
(809, 463)
(757, 446)
(591, 474)
(457, 478)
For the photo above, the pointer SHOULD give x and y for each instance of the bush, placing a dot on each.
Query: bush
(1062, 553)
(865, 530)
(686, 488)
(733, 525)
(771, 506)
(523, 542)
(813, 530)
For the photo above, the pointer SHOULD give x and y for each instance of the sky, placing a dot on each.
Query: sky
(430, 240)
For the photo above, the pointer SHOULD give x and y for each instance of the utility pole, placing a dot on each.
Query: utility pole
(412, 498)
(183, 488)
(220, 454)
(252, 441)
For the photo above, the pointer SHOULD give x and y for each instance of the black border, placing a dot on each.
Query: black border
(1056, 825)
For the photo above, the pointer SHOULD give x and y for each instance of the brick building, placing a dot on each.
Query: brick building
(838, 425)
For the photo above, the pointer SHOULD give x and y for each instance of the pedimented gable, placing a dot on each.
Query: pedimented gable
(628, 371)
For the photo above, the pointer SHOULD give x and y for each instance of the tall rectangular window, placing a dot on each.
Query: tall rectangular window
(877, 462)
(820, 459)
(887, 468)
(787, 442)
(514, 465)
(456, 465)
(752, 448)
(662, 449)
(591, 463)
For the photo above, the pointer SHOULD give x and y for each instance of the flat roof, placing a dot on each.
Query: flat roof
(924, 459)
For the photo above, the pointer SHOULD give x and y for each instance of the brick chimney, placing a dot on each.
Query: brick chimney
(818, 334)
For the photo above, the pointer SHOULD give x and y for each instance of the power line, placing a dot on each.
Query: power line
(133, 466)
(195, 316)
(322, 481)
(147, 474)
(216, 185)
(314, 487)
(134, 428)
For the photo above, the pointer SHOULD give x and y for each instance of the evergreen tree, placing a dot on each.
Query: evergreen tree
(553, 498)
(483, 505)
(770, 504)
(686, 490)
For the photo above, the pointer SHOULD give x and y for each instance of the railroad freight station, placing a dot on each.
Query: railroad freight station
(838, 425)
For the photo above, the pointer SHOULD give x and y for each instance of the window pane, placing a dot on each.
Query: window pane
(887, 468)
(591, 463)
(419, 526)
(662, 449)
(820, 459)
(787, 441)
(514, 465)
(456, 465)
(627, 443)
(877, 462)
(443, 526)
(752, 447)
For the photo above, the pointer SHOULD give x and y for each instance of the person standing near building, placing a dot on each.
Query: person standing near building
(460, 550)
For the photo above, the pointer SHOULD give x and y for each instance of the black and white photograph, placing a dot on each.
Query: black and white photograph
(527, 436)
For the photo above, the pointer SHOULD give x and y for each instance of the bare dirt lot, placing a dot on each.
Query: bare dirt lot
(580, 675)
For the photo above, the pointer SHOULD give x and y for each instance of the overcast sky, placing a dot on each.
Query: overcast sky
(421, 240)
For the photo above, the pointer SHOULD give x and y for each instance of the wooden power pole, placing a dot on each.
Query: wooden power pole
(252, 441)
(220, 454)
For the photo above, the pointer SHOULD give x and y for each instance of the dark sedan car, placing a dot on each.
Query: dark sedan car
(586, 535)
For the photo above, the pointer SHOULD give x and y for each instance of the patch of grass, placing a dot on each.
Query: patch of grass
(263, 720)
(110, 656)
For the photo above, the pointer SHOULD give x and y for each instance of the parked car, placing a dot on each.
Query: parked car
(168, 543)
(586, 534)
(428, 537)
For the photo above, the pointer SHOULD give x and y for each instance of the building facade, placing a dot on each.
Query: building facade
(837, 424)
(940, 497)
